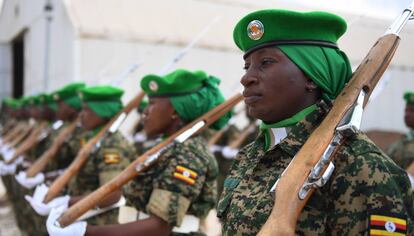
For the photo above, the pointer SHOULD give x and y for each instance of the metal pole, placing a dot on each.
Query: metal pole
(48, 9)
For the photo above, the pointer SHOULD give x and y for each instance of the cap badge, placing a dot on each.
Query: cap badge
(255, 29)
(153, 86)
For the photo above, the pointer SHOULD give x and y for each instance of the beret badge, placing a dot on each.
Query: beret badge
(153, 86)
(255, 30)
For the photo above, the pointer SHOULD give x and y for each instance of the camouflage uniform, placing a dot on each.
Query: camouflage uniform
(224, 164)
(27, 218)
(365, 183)
(113, 155)
(402, 151)
(67, 151)
(160, 191)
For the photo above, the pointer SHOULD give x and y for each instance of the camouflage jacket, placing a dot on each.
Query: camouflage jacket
(366, 191)
(402, 151)
(109, 159)
(182, 182)
(112, 155)
(68, 150)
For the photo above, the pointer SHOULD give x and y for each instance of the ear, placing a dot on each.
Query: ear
(310, 85)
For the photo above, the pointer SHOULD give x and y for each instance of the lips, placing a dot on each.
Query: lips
(251, 97)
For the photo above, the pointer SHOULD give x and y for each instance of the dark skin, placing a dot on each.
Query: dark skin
(90, 120)
(160, 118)
(274, 87)
(47, 113)
(409, 115)
(66, 112)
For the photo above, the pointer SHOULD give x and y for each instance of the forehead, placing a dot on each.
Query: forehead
(268, 51)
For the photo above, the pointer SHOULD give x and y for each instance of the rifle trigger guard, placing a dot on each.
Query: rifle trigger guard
(317, 182)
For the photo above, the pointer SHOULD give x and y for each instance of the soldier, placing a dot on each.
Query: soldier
(142, 142)
(175, 194)
(100, 104)
(293, 71)
(402, 151)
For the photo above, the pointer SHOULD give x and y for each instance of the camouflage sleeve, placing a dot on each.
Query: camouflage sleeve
(369, 193)
(177, 187)
(112, 158)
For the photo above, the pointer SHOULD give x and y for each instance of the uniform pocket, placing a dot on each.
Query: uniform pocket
(228, 187)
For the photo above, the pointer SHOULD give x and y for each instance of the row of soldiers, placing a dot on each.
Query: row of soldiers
(31, 126)
(294, 70)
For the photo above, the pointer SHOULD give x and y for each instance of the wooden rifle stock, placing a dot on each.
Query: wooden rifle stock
(410, 169)
(14, 132)
(22, 135)
(90, 201)
(83, 154)
(9, 126)
(287, 206)
(31, 140)
(41, 163)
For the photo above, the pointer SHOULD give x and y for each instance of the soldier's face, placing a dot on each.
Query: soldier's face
(274, 87)
(158, 116)
(409, 115)
(89, 119)
(65, 112)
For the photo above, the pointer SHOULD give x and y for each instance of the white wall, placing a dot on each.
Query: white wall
(5, 70)
(386, 111)
(103, 60)
(32, 20)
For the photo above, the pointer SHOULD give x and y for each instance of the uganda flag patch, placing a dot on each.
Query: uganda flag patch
(387, 225)
(184, 174)
(111, 157)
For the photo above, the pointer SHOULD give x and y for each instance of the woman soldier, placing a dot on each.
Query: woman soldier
(109, 157)
(293, 72)
(173, 196)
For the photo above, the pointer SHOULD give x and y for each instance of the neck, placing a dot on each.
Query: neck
(176, 125)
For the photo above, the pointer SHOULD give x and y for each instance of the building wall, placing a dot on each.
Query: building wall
(31, 20)
(5, 70)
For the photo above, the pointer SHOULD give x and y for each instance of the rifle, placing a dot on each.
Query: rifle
(147, 160)
(9, 126)
(83, 154)
(311, 167)
(19, 127)
(410, 169)
(32, 139)
(22, 135)
(40, 164)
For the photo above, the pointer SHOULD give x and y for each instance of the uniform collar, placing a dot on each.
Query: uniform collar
(300, 132)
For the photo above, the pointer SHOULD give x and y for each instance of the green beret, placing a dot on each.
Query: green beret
(192, 94)
(68, 91)
(105, 101)
(176, 83)
(282, 27)
(143, 104)
(70, 95)
(7, 102)
(50, 101)
(409, 97)
(16, 103)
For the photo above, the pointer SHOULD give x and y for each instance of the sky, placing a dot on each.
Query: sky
(389, 9)
(376, 8)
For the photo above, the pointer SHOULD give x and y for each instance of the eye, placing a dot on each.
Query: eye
(246, 66)
(267, 61)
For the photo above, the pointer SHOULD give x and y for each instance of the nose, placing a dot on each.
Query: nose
(249, 78)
